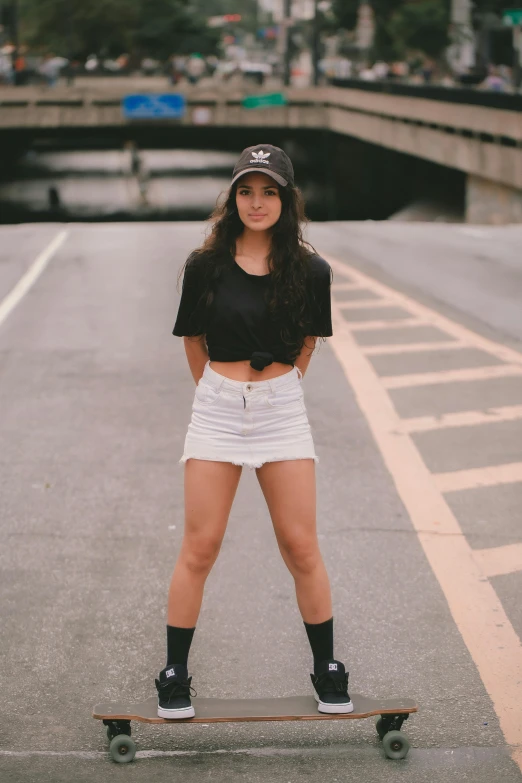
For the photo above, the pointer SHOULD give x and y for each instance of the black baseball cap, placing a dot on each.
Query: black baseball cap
(268, 159)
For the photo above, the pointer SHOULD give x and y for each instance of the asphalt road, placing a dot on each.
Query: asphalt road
(95, 398)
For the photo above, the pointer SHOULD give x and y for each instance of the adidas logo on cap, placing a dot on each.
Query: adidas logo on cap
(259, 157)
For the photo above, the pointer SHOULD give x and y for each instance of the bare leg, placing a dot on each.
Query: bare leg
(289, 490)
(210, 488)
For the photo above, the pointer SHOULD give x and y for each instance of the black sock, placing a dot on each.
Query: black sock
(320, 636)
(178, 644)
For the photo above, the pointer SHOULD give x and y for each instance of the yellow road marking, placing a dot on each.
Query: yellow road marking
(451, 376)
(365, 304)
(368, 326)
(490, 476)
(500, 560)
(346, 286)
(463, 419)
(424, 314)
(384, 350)
(476, 609)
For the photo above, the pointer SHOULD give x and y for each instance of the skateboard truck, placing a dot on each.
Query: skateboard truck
(388, 723)
(115, 727)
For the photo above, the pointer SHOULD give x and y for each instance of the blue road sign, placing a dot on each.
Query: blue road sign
(153, 106)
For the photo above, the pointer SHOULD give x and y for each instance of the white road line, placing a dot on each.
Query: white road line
(78, 754)
(33, 273)
(149, 754)
(100, 754)
(475, 606)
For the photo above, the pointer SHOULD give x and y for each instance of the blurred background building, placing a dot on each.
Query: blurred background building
(440, 40)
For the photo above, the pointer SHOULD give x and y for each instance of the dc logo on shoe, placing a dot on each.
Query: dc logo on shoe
(170, 673)
(332, 667)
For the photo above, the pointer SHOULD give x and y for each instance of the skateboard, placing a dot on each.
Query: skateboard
(117, 716)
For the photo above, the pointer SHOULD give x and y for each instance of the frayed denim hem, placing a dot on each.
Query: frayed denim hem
(244, 463)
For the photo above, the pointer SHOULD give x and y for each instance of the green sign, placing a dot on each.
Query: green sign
(512, 16)
(263, 101)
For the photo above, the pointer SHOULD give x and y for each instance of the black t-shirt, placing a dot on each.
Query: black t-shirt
(238, 322)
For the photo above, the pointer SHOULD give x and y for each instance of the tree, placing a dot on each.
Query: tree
(345, 11)
(73, 27)
(402, 24)
(109, 27)
(173, 26)
(421, 26)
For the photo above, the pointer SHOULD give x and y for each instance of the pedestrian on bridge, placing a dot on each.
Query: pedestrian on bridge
(255, 299)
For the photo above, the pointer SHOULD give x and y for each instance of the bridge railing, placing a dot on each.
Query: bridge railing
(436, 92)
(434, 108)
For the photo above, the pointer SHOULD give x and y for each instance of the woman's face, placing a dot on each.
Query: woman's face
(258, 201)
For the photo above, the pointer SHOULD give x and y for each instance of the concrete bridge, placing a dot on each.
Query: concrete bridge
(484, 142)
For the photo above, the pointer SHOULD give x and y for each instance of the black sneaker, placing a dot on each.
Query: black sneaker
(174, 690)
(331, 687)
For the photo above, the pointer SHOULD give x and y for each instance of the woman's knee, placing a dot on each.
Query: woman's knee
(301, 556)
(199, 555)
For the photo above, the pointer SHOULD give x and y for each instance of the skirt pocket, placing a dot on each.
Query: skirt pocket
(206, 394)
(286, 398)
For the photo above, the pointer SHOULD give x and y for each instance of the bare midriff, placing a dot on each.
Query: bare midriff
(242, 371)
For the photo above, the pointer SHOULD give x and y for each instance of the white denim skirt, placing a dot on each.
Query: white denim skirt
(249, 423)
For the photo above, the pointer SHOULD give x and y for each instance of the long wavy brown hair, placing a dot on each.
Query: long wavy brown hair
(289, 291)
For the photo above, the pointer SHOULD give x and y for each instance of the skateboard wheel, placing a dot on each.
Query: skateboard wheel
(122, 749)
(395, 745)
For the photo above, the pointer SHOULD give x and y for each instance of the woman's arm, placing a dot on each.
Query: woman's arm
(197, 355)
(303, 360)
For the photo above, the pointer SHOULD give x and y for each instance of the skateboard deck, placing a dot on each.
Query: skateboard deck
(118, 715)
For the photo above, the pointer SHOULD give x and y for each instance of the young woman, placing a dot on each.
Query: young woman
(255, 299)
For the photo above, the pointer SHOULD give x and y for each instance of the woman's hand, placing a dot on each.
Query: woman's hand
(197, 355)
(303, 360)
